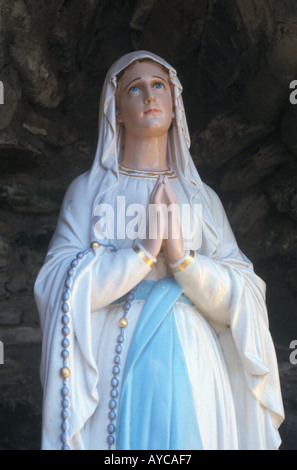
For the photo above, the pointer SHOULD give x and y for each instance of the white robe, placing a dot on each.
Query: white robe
(225, 338)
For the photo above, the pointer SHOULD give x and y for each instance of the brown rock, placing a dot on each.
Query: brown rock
(10, 316)
(20, 336)
(9, 106)
(226, 138)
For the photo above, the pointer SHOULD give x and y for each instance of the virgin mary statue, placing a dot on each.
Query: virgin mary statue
(155, 331)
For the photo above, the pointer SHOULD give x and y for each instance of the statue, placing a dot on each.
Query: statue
(154, 336)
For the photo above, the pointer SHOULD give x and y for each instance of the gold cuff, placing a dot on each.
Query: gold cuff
(185, 263)
(143, 256)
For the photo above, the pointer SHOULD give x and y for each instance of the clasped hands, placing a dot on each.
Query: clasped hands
(163, 229)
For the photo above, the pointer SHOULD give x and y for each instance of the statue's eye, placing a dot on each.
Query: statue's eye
(133, 89)
(159, 85)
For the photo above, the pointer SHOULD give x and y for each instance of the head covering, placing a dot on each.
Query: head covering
(104, 173)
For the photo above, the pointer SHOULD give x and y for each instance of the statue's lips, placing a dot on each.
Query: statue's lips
(151, 111)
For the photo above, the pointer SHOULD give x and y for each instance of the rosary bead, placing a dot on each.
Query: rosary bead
(65, 331)
(64, 426)
(112, 404)
(110, 440)
(117, 359)
(64, 437)
(65, 353)
(74, 263)
(65, 391)
(95, 245)
(65, 307)
(65, 372)
(111, 428)
(65, 343)
(114, 382)
(65, 403)
(127, 306)
(123, 322)
(118, 348)
(70, 272)
(116, 370)
(68, 282)
(65, 414)
(65, 320)
(66, 295)
(80, 255)
(112, 415)
(114, 393)
(120, 339)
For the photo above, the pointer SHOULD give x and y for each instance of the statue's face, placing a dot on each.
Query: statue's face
(144, 100)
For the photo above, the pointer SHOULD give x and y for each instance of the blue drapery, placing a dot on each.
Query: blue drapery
(156, 410)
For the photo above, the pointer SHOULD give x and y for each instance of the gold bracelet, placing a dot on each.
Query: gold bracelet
(185, 263)
(143, 256)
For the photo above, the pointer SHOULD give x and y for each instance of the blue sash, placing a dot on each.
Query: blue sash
(156, 409)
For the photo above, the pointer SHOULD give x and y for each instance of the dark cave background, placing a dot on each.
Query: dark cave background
(236, 60)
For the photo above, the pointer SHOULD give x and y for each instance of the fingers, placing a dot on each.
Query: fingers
(164, 228)
(156, 223)
(163, 192)
(156, 194)
(169, 194)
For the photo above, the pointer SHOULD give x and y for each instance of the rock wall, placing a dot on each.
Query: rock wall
(236, 60)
